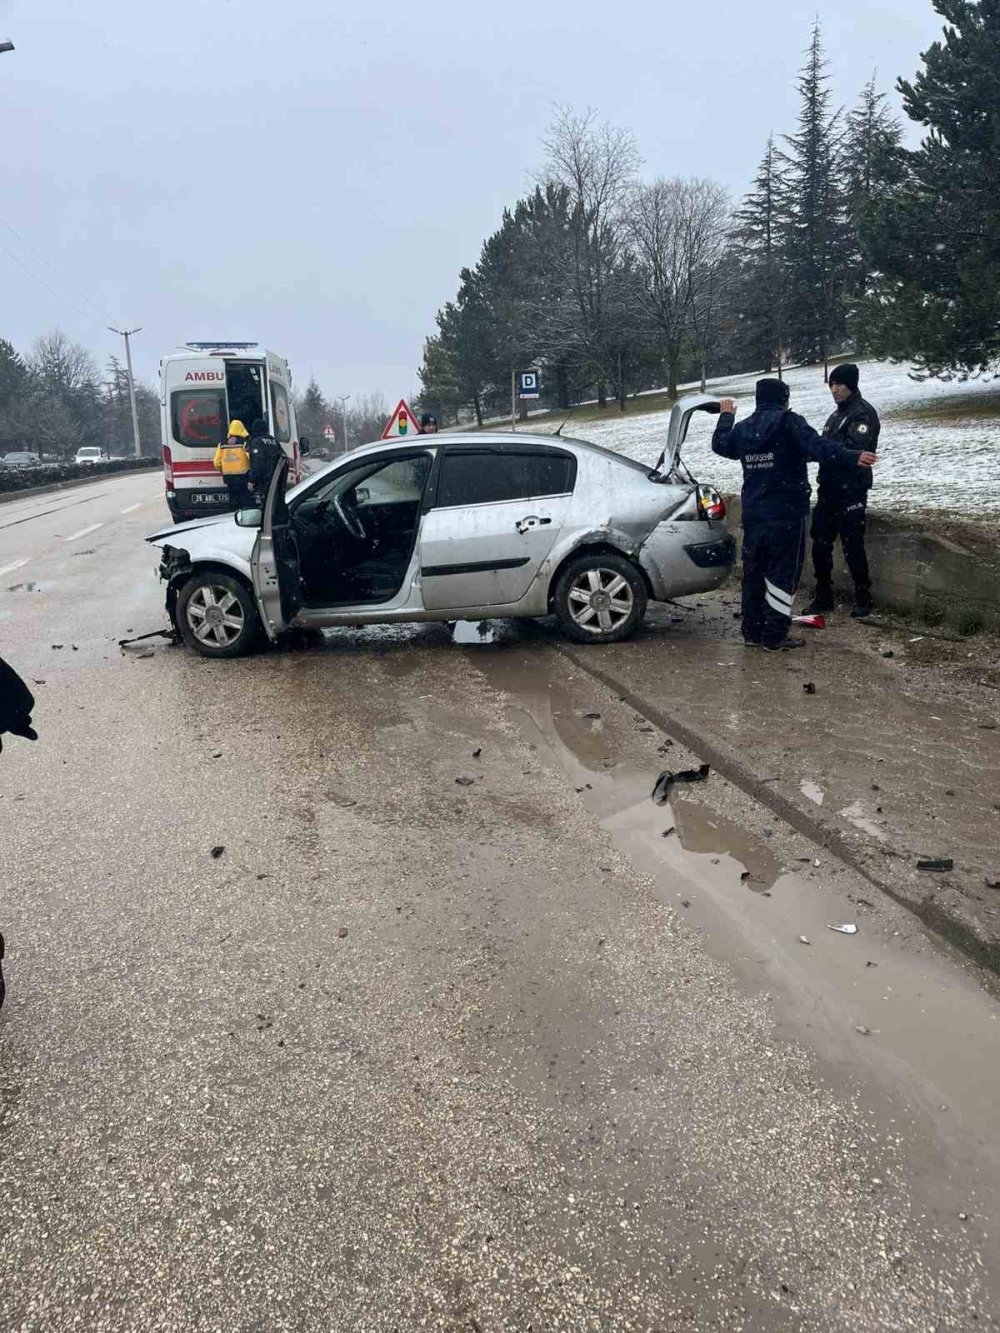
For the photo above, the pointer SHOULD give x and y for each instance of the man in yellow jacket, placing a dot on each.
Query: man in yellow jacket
(232, 459)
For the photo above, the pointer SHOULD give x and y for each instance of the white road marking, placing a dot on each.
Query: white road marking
(9, 569)
(83, 532)
(138, 505)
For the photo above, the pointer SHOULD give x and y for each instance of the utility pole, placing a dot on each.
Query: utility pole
(513, 400)
(127, 334)
(343, 400)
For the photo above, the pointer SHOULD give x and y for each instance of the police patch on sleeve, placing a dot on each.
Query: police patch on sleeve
(862, 429)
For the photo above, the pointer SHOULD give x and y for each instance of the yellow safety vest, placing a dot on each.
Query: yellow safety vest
(232, 460)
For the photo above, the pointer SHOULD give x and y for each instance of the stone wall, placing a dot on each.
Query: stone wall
(927, 566)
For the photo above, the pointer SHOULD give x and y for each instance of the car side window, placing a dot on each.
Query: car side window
(483, 476)
(400, 482)
(378, 482)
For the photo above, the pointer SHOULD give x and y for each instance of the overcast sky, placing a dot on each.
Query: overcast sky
(277, 169)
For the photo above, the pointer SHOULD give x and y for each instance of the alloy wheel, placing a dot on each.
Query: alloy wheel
(215, 616)
(600, 600)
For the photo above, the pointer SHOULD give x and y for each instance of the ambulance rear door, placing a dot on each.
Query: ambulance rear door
(282, 415)
(193, 414)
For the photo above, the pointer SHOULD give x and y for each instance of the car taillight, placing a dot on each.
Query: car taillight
(168, 465)
(711, 503)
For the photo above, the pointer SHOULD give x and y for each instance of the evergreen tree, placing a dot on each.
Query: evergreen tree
(872, 168)
(118, 409)
(935, 242)
(816, 244)
(764, 289)
(313, 414)
(872, 160)
(460, 368)
(15, 381)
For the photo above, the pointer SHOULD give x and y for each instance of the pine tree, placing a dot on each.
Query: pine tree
(935, 241)
(872, 161)
(817, 240)
(759, 236)
(313, 413)
(15, 383)
(118, 408)
(871, 168)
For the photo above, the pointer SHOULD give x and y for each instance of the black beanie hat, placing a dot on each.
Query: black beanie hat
(259, 427)
(847, 374)
(772, 391)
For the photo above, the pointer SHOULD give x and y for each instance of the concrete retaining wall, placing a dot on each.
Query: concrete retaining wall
(928, 567)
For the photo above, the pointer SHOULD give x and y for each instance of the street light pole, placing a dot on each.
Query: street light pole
(127, 334)
(343, 400)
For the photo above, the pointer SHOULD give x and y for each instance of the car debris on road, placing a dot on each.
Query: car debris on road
(666, 780)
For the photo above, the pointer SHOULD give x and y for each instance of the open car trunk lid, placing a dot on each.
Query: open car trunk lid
(677, 428)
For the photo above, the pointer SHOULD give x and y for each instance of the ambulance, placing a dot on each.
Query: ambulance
(202, 389)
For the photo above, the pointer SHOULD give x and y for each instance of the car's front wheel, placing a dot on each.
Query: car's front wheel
(600, 598)
(217, 615)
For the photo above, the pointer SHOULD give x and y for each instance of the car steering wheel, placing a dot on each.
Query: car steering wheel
(349, 519)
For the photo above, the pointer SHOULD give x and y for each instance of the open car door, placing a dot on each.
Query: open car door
(680, 418)
(274, 562)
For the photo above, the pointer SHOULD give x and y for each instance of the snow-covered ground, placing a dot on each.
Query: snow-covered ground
(951, 464)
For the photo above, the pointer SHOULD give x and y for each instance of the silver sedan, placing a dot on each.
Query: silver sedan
(453, 527)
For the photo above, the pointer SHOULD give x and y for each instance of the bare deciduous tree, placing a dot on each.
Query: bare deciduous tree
(366, 418)
(595, 163)
(62, 364)
(678, 231)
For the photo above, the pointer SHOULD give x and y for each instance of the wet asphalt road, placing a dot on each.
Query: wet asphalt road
(449, 1035)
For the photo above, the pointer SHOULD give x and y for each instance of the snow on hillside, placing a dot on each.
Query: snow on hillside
(951, 464)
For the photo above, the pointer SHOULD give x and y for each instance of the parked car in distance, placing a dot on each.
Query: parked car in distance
(91, 454)
(453, 527)
(20, 459)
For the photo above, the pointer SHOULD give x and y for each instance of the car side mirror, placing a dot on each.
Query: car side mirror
(248, 518)
(304, 445)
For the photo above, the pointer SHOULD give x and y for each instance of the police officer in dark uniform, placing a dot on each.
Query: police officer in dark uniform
(774, 445)
(265, 455)
(842, 500)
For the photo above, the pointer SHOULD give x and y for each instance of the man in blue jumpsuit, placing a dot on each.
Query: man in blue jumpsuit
(773, 445)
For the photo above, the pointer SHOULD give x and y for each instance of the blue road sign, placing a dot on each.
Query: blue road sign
(529, 384)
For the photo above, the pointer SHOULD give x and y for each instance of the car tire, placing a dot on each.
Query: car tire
(600, 598)
(217, 615)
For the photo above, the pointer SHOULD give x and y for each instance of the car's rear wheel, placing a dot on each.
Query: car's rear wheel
(600, 598)
(217, 615)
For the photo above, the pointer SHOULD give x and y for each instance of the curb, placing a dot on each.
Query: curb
(946, 918)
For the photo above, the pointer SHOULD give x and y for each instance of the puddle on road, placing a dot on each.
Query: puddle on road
(474, 632)
(710, 834)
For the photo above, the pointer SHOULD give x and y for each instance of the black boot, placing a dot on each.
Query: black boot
(863, 605)
(822, 601)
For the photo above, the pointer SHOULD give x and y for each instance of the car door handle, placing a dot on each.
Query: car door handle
(524, 525)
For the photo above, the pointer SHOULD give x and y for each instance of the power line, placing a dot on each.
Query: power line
(92, 311)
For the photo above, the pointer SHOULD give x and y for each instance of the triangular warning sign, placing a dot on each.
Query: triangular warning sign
(402, 424)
